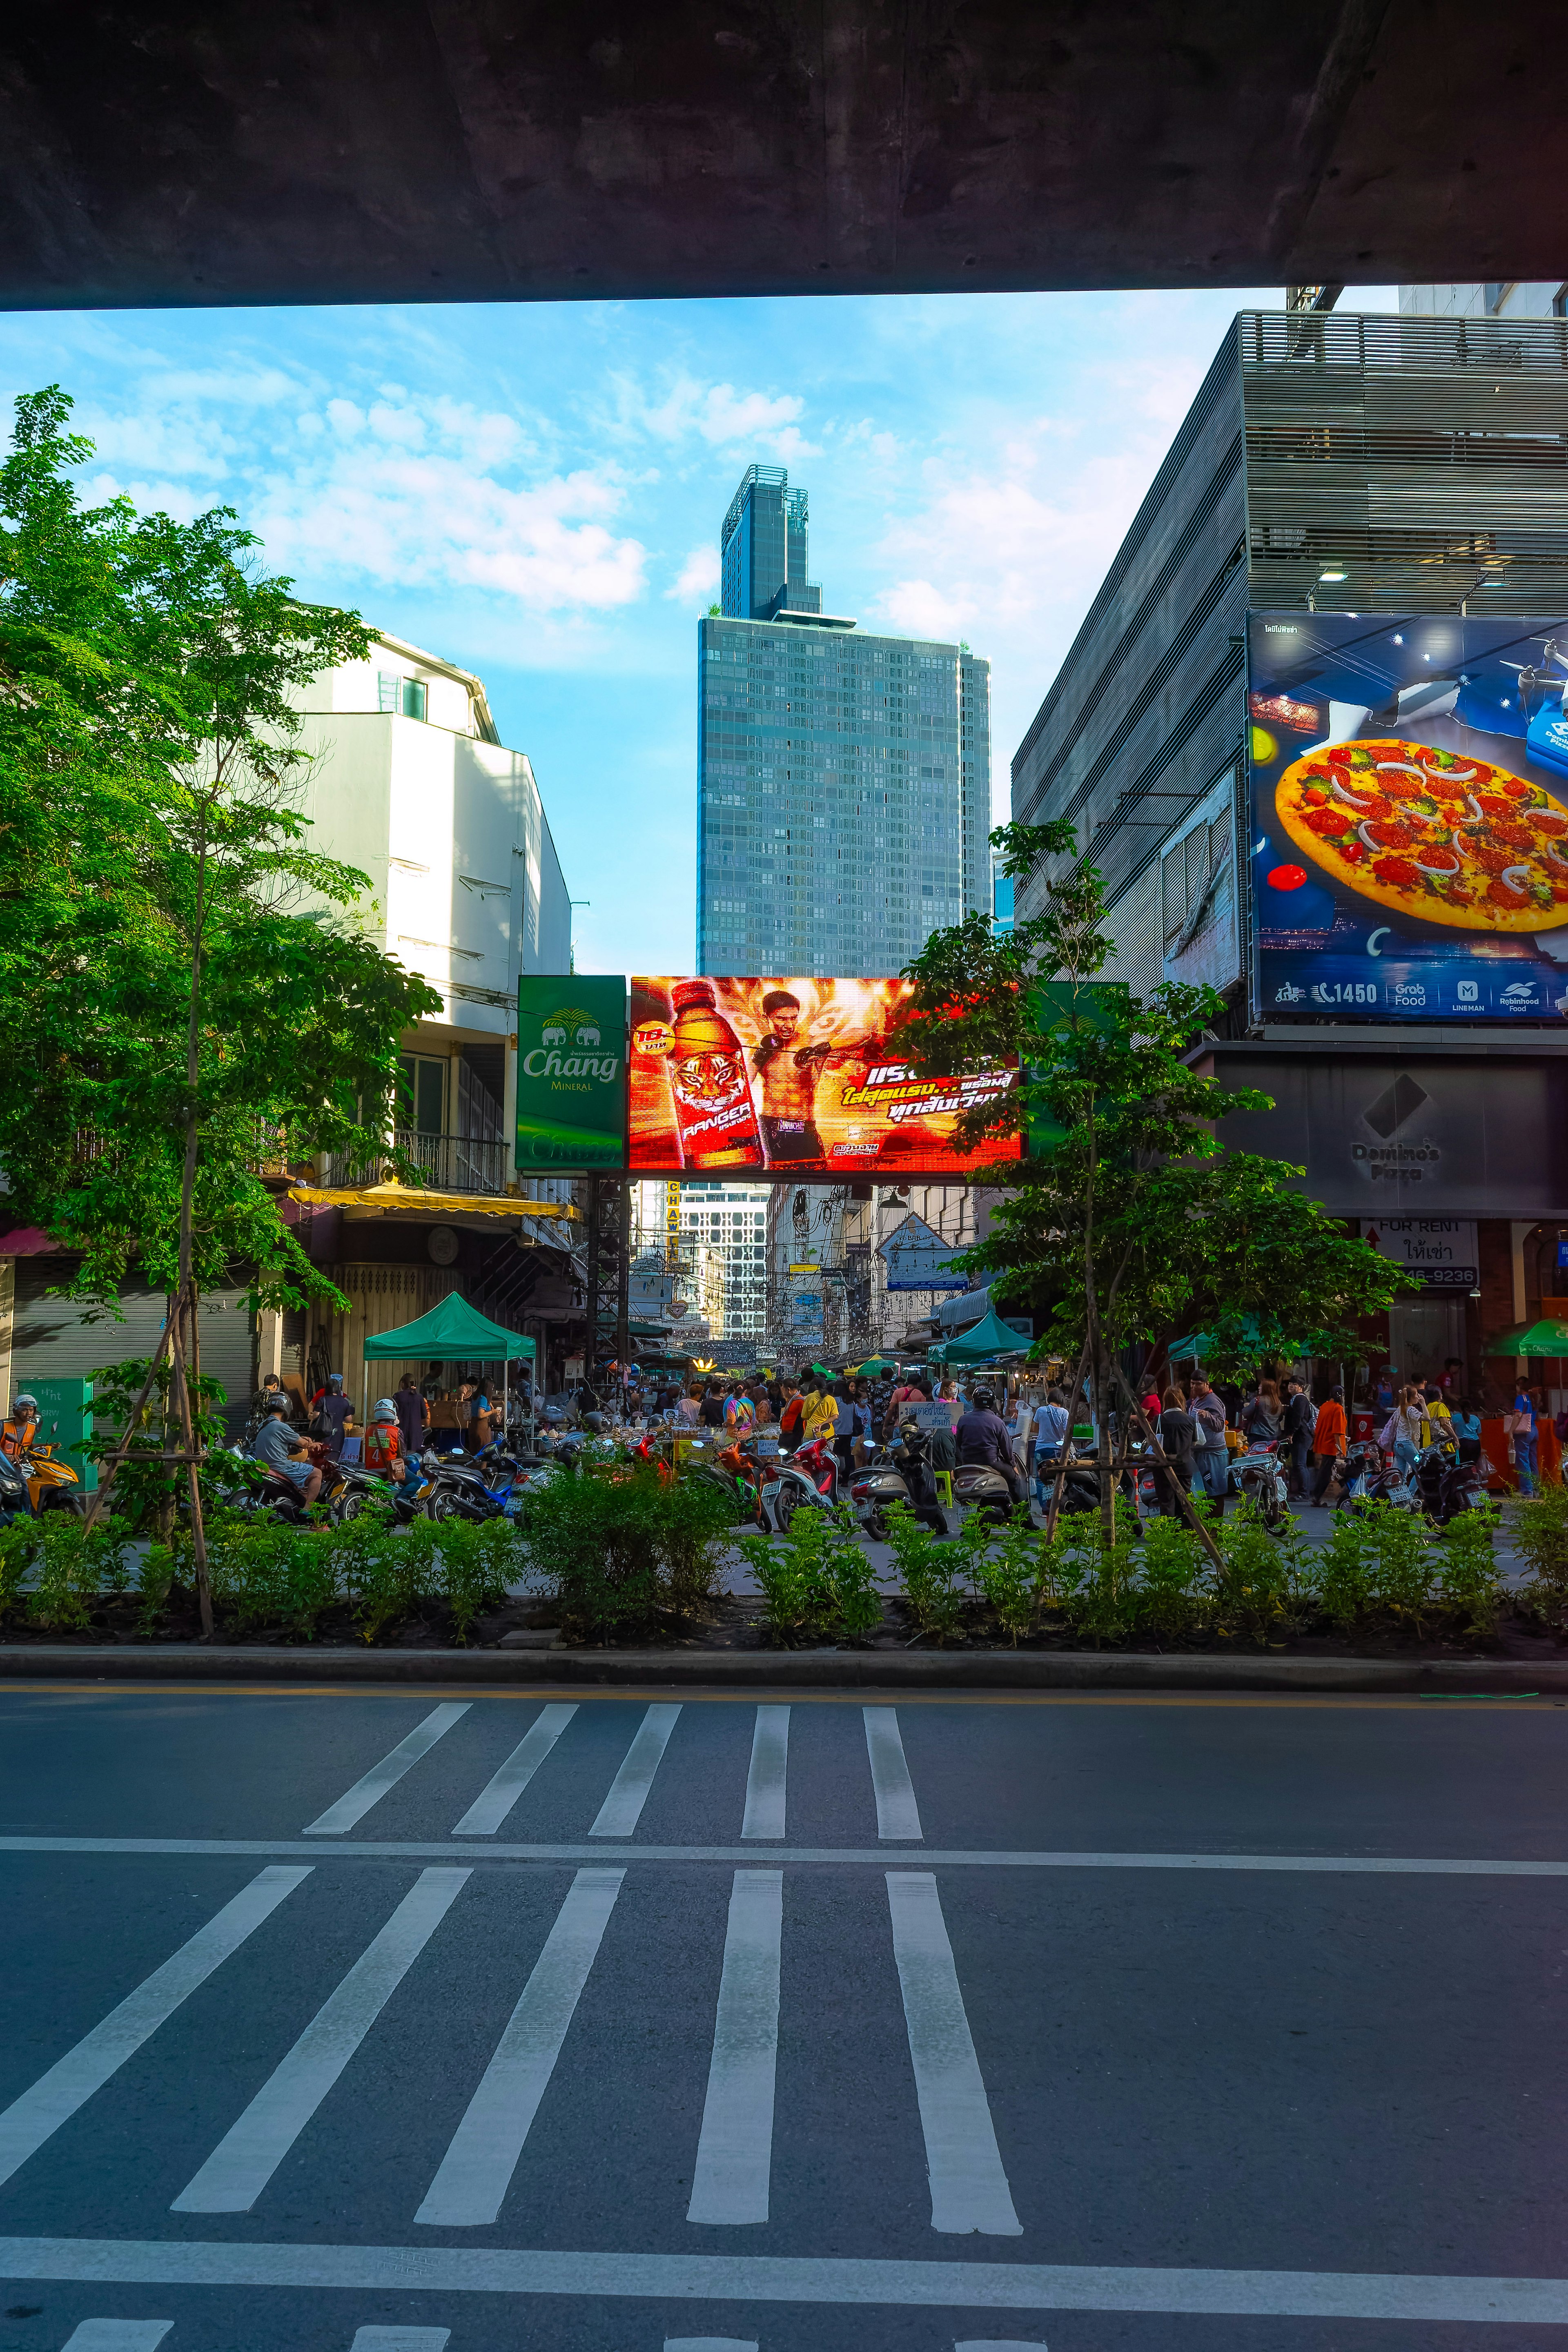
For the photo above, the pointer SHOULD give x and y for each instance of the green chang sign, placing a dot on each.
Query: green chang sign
(571, 1072)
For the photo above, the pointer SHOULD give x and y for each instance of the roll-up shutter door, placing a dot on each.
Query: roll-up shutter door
(51, 1340)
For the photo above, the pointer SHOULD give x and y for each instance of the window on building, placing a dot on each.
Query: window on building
(422, 1093)
(404, 696)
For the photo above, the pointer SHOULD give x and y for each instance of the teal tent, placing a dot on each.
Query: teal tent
(451, 1333)
(990, 1337)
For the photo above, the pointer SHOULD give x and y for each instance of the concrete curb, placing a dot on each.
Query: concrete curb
(749, 1670)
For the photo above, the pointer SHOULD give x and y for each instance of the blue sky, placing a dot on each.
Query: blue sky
(535, 492)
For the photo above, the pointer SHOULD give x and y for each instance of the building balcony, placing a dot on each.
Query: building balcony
(441, 1164)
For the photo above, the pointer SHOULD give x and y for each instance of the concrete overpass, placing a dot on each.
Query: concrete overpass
(329, 150)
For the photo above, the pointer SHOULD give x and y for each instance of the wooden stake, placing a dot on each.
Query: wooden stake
(101, 1494)
(1200, 1529)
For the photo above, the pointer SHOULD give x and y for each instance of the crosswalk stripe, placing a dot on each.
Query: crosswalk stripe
(622, 1809)
(968, 2186)
(40, 2110)
(476, 2171)
(356, 1802)
(247, 2156)
(1001, 2344)
(764, 1814)
(400, 2339)
(496, 1799)
(118, 2335)
(898, 1816)
(710, 2343)
(734, 2153)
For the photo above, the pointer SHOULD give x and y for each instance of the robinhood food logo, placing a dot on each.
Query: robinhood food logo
(569, 1046)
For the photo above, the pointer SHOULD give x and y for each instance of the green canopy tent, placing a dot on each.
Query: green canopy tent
(1549, 1337)
(452, 1332)
(990, 1337)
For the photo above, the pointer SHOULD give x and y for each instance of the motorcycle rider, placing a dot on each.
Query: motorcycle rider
(385, 1452)
(19, 1433)
(982, 1436)
(283, 1450)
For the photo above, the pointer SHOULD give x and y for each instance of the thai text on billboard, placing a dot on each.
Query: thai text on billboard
(1409, 782)
(798, 1077)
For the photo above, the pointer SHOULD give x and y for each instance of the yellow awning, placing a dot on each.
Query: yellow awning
(432, 1204)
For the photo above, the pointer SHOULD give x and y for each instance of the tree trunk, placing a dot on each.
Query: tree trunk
(187, 1289)
(187, 1424)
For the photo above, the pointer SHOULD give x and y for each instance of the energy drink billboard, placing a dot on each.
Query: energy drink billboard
(793, 1078)
(1409, 796)
(570, 1072)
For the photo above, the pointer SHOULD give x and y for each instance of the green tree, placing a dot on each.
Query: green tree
(1127, 1220)
(190, 995)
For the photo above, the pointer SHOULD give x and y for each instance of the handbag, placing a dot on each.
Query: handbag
(1390, 1431)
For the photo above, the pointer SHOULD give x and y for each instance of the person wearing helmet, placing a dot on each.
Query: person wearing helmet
(983, 1436)
(385, 1452)
(282, 1449)
(18, 1433)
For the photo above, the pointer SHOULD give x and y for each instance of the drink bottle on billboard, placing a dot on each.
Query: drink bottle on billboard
(713, 1106)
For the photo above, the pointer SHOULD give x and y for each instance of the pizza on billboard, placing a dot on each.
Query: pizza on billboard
(803, 1076)
(1430, 833)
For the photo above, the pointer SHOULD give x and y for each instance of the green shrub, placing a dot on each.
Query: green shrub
(1175, 1591)
(1403, 1569)
(1468, 1577)
(264, 1573)
(1264, 1588)
(1538, 1527)
(1007, 1575)
(929, 1567)
(597, 1540)
(817, 1579)
(690, 1521)
(1344, 1572)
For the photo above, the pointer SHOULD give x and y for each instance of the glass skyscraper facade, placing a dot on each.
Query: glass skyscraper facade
(844, 779)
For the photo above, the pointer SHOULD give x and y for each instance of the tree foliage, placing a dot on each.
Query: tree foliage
(189, 993)
(1127, 1220)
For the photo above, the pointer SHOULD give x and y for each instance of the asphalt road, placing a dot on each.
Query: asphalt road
(378, 2020)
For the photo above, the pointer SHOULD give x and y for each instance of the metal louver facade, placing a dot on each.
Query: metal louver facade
(1424, 459)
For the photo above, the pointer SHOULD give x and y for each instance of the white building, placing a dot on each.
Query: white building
(1502, 298)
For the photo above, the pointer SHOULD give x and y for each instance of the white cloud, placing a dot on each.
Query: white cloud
(699, 575)
(719, 416)
(404, 519)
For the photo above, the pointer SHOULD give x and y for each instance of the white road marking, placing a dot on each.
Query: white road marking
(247, 2156)
(710, 2343)
(475, 2173)
(775, 2278)
(1000, 2344)
(765, 1782)
(622, 1809)
(118, 2335)
(494, 1802)
(968, 2186)
(944, 1857)
(898, 1816)
(30, 2120)
(734, 2153)
(400, 2339)
(356, 1802)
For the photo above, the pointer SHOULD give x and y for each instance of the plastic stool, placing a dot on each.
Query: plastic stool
(943, 1487)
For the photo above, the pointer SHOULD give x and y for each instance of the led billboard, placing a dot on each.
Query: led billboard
(795, 1077)
(1409, 798)
(570, 1071)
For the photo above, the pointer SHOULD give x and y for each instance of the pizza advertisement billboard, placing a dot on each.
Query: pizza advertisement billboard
(570, 1071)
(792, 1077)
(1409, 799)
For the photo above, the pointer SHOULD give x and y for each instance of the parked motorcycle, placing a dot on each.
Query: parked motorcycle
(899, 1473)
(809, 1476)
(1257, 1477)
(1447, 1486)
(450, 1488)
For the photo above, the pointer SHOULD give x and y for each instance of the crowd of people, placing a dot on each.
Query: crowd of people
(1016, 1426)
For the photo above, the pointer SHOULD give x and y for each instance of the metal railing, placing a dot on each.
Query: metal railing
(441, 1164)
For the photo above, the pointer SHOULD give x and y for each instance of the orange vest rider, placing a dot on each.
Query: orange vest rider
(17, 1435)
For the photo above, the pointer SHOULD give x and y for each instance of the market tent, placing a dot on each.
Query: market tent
(451, 1333)
(872, 1365)
(1547, 1338)
(990, 1338)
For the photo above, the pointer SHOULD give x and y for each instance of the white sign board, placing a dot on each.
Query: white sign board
(917, 1258)
(1438, 1252)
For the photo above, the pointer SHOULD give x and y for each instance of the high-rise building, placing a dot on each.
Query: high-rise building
(844, 779)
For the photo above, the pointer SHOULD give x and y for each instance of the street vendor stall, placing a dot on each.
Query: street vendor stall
(452, 1333)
